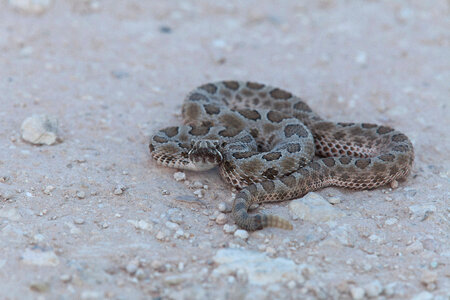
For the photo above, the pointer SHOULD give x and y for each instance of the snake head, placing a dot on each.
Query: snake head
(205, 154)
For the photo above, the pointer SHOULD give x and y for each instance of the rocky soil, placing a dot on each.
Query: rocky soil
(86, 214)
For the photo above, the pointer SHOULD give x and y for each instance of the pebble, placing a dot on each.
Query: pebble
(31, 6)
(361, 58)
(172, 226)
(256, 267)
(229, 228)
(223, 207)
(179, 176)
(357, 293)
(140, 274)
(415, 247)
(314, 208)
(334, 200)
(81, 194)
(65, 278)
(373, 289)
(160, 236)
(40, 258)
(49, 189)
(423, 296)
(221, 219)
(199, 193)
(175, 215)
(177, 279)
(421, 211)
(391, 221)
(40, 130)
(119, 189)
(240, 233)
(141, 224)
(394, 184)
(428, 277)
(131, 267)
(78, 221)
(197, 185)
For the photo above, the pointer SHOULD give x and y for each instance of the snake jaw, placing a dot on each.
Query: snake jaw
(205, 154)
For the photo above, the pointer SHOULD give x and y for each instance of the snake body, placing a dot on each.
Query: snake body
(271, 146)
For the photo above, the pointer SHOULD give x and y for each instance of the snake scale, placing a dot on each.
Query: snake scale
(271, 146)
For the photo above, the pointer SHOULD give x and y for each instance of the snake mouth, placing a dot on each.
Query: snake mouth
(205, 155)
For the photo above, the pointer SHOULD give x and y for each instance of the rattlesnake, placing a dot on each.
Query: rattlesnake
(271, 146)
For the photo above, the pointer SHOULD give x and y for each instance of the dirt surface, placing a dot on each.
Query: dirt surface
(93, 217)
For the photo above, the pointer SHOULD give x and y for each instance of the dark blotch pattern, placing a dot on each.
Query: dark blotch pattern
(368, 125)
(240, 155)
(300, 105)
(211, 109)
(270, 173)
(250, 114)
(387, 157)
(288, 181)
(232, 85)
(254, 85)
(198, 97)
(345, 160)
(362, 163)
(171, 131)
(280, 94)
(160, 139)
(210, 88)
(272, 156)
(268, 186)
(384, 130)
(297, 129)
(275, 116)
(293, 147)
(329, 162)
(399, 138)
(199, 130)
(401, 148)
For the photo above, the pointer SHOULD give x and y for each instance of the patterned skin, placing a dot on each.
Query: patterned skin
(264, 140)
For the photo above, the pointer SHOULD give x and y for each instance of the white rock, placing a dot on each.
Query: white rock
(223, 207)
(81, 194)
(428, 277)
(179, 176)
(78, 221)
(391, 221)
(221, 219)
(361, 58)
(119, 189)
(258, 267)
(421, 211)
(11, 214)
(227, 228)
(334, 200)
(40, 130)
(141, 224)
(423, 296)
(48, 189)
(374, 288)
(172, 226)
(31, 6)
(357, 293)
(416, 246)
(40, 258)
(131, 267)
(314, 208)
(240, 233)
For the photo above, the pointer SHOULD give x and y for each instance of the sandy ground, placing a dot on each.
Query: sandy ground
(93, 217)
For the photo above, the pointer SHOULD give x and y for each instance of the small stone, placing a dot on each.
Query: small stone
(175, 215)
(428, 277)
(223, 207)
(199, 193)
(423, 296)
(361, 58)
(40, 258)
(221, 219)
(48, 189)
(242, 234)
(81, 194)
(394, 184)
(357, 293)
(415, 247)
(177, 279)
(314, 208)
(334, 200)
(131, 267)
(160, 236)
(78, 221)
(421, 212)
(65, 278)
(31, 6)
(391, 221)
(140, 274)
(197, 185)
(165, 192)
(229, 228)
(141, 224)
(373, 289)
(179, 176)
(291, 285)
(172, 226)
(119, 189)
(40, 130)
(40, 287)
